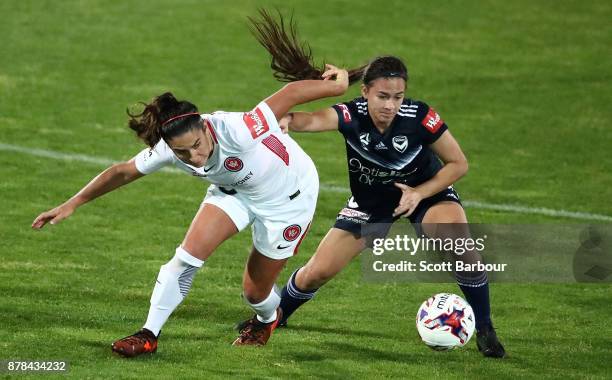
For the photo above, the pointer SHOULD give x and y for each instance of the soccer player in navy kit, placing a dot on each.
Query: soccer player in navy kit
(402, 162)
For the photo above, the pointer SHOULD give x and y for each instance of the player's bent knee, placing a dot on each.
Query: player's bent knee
(445, 213)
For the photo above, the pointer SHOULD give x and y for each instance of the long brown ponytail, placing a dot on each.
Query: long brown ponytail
(159, 119)
(291, 59)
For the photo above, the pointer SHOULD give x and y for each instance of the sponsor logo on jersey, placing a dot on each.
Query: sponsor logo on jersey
(242, 181)
(292, 232)
(370, 175)
(346, 114)
(432, 121)
(351, 203)
(381, 146)
(196, 174)
(400, 143)
(350, 213)
(351, 219)
(233, 164)
(256, 122)
(365, 140)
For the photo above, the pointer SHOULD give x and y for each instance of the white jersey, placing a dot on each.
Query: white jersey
(251, 156)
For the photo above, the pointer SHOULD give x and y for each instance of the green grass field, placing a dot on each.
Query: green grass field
(524, 86)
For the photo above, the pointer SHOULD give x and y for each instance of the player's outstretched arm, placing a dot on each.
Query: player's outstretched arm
(335, 83)
(109, 180)
(318, 121)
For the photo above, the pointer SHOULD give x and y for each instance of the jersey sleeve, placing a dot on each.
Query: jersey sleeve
(431, 125)
(150, 160)
(346, 116)
(241, 131)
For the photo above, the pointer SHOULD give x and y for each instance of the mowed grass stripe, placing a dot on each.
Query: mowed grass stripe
(324, 187)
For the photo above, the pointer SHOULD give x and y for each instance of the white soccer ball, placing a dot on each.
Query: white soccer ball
(445, 321)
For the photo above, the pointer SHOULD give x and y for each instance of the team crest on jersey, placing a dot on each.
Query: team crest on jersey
(400, 143)
(292, 232)
(233, 164)
(256, 122)
(365, 140)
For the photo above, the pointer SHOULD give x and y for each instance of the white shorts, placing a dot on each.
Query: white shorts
(278, 230)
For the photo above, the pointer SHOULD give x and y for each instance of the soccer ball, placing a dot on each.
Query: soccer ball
(445, 321)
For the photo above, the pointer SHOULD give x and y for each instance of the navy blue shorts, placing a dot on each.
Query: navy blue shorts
(366, 223)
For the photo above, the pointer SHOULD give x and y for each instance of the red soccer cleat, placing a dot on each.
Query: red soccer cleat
(143, 342)
(255, 333)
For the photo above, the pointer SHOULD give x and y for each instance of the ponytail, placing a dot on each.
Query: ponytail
(291, 59)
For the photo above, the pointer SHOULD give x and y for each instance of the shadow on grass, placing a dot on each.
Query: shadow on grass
(339, 331)
(347, 351)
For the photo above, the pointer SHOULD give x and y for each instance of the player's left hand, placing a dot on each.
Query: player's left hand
(283, 123)
(340, 76)
(409, 201)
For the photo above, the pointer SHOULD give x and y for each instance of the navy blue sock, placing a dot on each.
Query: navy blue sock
(476, 292)
(293, 297)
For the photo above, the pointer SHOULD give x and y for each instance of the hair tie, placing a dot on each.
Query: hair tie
(179, 117)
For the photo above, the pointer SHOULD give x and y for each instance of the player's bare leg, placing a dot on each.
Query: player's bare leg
(210, 227)
(337, 249)
(334, 253)
(447, 220)
(260, 274)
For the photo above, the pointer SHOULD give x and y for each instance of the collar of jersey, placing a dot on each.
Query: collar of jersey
(214, 157)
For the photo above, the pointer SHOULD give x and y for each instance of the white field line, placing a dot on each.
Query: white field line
(100, 161)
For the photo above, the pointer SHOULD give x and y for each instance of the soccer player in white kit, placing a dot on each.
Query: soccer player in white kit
(259, 177)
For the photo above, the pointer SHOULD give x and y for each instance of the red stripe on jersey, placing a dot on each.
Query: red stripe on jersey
(212, 131)
(276, 146)
(256, 122)
(297, 246)
(432, 121)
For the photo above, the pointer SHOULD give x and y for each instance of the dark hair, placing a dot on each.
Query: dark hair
(154, 122)
(386, 66)
(291, 59)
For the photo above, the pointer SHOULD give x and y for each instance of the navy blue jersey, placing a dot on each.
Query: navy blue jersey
(400, 154)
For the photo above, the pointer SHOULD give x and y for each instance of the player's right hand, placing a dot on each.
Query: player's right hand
(53, 216)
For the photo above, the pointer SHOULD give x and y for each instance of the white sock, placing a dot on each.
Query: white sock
(173, 284)
(266, 309)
